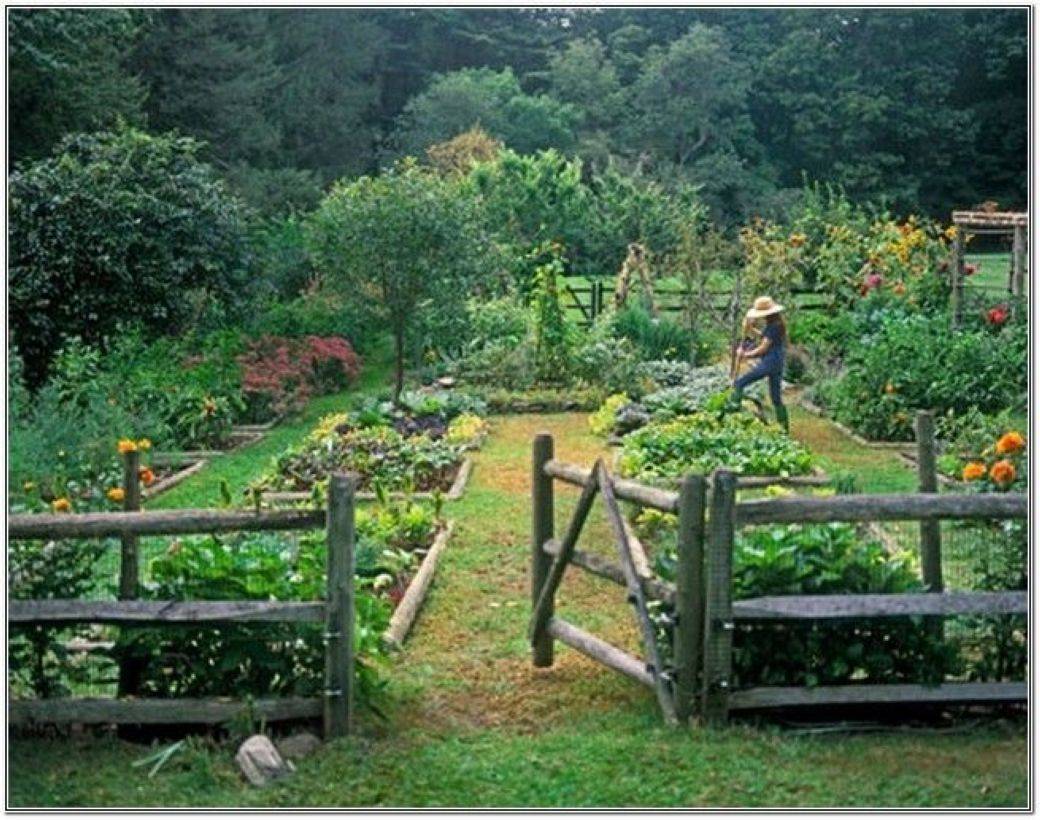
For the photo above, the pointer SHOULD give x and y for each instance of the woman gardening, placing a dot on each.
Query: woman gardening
(770, 355)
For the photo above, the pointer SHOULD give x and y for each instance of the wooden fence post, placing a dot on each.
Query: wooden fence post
(1018, 262)
(689, 595)
(718, 609)
(339, 607)
(927, 482)
(956, 277)
(130, 669)
(541, 531)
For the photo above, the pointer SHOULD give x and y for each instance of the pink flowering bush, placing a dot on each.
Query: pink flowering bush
(279, 374)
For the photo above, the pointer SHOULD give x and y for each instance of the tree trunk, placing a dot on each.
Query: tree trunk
(398, 363)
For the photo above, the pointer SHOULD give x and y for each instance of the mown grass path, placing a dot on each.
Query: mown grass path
(472, 724)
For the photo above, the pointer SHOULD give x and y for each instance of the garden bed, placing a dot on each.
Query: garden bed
(454, 492)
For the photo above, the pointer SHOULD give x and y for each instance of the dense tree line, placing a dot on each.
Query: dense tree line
(927, 108)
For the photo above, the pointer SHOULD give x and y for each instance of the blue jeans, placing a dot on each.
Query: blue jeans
(762, 371)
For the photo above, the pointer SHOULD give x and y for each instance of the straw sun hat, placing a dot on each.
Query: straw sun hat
(764, 306)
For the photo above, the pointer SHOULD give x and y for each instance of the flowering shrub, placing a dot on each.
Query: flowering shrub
(280, 374)
(846, 253)
(912, 362)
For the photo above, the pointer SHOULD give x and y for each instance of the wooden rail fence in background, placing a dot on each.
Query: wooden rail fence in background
(335, 706)
(698, 681)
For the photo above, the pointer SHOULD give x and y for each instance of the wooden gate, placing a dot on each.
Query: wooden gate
(698, 680)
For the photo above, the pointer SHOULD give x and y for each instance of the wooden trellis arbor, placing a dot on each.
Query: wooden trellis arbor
(988, 222)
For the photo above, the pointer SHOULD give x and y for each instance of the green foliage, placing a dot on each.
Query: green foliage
(493, 100)
(601, 423)
(37, 658)
(67, 73)
(830, 559)
(655, 338)
(402, 247)
(248, 660)
(553, 335)
(116, 227)
(705, 441)
(916, 362)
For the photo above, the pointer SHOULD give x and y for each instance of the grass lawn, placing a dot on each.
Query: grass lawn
(471, 723)
(994, 269)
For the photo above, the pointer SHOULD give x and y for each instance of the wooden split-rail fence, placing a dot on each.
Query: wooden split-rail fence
(336, 703)
(698, 680)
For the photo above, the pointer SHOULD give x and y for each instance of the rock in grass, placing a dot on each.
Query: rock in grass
(259, 761)
(298, 746)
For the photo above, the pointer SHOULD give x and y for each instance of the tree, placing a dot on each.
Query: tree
(211, 74)
(492, 100)
(67, 73)
(117, 227)
(402, 245)
(583, 76)
(528, 201)
(459, 155)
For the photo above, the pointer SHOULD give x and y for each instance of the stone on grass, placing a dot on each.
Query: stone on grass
(259, 761)
(299, 745)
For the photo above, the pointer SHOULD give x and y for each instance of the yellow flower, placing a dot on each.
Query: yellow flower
(28, 486)
(116, 494)
(127, 445)
(1010, 444)
(61, 505)
(973, 471)
(797, 240)
(144, 444)
(951, 232)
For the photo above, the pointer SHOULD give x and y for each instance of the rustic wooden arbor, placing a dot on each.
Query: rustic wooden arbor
(698, 679)
(988, 222)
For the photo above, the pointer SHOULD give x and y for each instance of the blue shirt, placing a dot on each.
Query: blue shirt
(773, 359)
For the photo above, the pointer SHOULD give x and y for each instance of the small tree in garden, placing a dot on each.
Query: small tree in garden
(116, 227)
(402, 246)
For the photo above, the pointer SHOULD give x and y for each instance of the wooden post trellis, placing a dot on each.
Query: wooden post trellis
(339, 611)
(130, 669)
(718, 586)
(956, 276)
(1018, 262)
(541, 532)
(689, 596)
(928, 482)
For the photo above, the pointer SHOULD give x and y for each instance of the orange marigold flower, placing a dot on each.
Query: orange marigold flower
(797, 240)
(973, 471)
(1003, 472)
(127, 445)
(61, 505)
(116, 494)
(1010, 443)
(146, 476)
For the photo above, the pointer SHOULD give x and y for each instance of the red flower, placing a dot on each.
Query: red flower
(998, 315)
(970, 270)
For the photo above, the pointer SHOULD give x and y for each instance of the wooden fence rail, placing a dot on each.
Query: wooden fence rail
(336, 704)
(701, 611)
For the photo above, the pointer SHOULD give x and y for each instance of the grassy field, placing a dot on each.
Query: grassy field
(473, 724)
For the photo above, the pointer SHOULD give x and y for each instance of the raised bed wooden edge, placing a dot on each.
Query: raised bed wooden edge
(407, 610)
(181, 456)
(173, 480)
